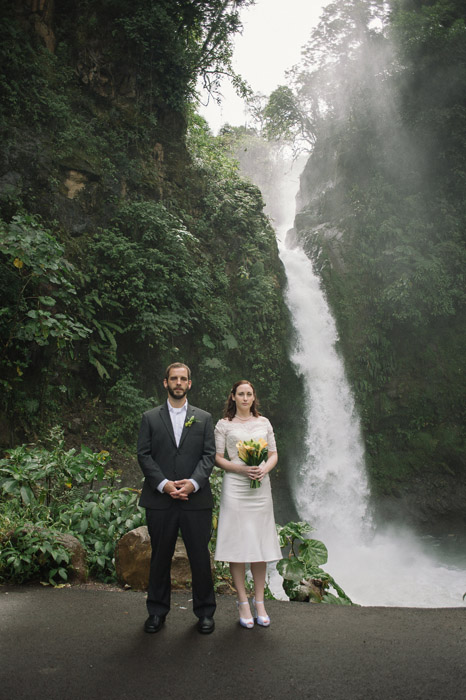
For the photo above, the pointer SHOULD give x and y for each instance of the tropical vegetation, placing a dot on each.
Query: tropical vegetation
(48, 491)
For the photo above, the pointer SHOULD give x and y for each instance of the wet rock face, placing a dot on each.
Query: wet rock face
(132, 561)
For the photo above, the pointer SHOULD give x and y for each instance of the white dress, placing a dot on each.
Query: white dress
(246, 524)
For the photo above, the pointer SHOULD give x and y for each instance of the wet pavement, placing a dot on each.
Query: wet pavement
(84, 643)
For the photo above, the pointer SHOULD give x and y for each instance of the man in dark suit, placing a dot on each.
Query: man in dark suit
(176, 452)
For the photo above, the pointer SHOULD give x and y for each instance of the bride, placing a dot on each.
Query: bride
(246, 526)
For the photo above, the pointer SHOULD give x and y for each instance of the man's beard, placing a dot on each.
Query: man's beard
(178, 395)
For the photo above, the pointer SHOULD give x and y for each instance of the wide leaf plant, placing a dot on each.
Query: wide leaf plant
(303, 577)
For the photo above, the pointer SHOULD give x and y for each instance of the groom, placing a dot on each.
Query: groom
(176, 451)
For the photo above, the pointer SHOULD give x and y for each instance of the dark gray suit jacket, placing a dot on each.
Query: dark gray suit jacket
(160, 458)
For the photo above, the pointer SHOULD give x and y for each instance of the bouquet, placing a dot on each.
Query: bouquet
(252, 452)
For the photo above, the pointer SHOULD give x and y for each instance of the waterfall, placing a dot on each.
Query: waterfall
(374, 565)
(331, 487)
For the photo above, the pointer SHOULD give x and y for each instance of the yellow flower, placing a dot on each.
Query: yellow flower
(250, 451)
(18, 263)
(242, 451)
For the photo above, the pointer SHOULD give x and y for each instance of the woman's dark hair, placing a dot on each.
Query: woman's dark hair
(230, 407)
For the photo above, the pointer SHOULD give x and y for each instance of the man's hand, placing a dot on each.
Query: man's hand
(185, 488)
(179, 489)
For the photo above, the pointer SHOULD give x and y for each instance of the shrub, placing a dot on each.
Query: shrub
(303, 577)
(48, 492)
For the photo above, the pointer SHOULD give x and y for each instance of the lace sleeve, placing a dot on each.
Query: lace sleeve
(220, 436)
(271, 437)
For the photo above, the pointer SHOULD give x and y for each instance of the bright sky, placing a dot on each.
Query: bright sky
(273, 33)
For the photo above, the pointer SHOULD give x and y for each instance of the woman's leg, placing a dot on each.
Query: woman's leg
(238, 572)
(259, 571)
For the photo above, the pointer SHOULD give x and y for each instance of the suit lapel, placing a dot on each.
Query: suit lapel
(189, 414)
(165, 416)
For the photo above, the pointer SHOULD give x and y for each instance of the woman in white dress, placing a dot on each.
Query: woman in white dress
(246, 526)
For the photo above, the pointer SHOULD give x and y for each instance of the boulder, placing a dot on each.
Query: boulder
(132, 561)
(78, 567)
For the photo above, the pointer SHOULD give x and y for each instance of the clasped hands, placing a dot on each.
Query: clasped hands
(258, 472)
(180, 489)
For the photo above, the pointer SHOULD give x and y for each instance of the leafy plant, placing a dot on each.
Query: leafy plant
(33, 550)
(48, 492)
(42, 479)
(37, 287)
(126, 405)
(303, 577)
(99, 521)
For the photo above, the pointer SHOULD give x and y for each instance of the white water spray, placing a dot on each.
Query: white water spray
(332, 484)
(389, 566)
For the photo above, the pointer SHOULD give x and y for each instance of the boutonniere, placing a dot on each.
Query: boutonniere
(190, 421)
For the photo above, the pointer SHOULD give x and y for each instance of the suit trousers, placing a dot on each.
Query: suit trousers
(195, 527)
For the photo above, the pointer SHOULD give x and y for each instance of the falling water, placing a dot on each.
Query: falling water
(335, 490)
(375, 566)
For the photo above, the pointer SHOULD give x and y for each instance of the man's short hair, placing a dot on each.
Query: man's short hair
(177, 365)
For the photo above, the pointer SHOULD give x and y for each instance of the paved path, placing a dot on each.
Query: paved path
(72, 643)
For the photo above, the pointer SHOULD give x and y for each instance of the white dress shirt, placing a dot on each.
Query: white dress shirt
(178, 419)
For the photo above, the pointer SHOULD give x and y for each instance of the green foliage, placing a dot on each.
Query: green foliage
(126, 404)
(42, 479)
(45, 322)
(303, 577)
(33, 551)
(99, 521)
(37, 287)
(167, 45)
(163, 251)
(147, 274)
(245, 338)
(222, 569)
(284, 120)
(49, 492)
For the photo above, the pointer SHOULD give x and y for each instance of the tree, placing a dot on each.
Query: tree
(285, 120)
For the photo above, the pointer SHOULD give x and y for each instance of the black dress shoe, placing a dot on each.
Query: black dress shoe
(206, 625)
(154, 623)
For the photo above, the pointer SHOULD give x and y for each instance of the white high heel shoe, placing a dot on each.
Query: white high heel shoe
(263, 620)
(247, 622)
